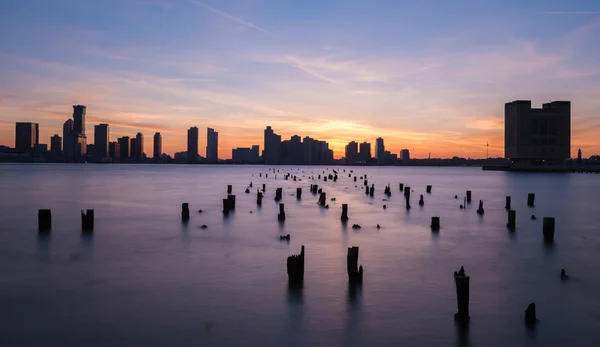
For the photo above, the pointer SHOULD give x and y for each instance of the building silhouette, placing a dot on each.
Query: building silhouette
(132, 148)
(212, 145)
(157, 146)
(56, 146)
(364, 154)
(380, 151)
(351, 152)
(245, 155)
(114, 151)
(292, 151)
(68, 140)
(192, 145)
(124, 148)
(101, 136)
(26, 136)
(537, 134)
(138, 154)
(80, 139)
(405, 155)
(579, 154)
(272, 147)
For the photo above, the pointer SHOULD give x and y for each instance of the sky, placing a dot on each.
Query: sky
(428, 75)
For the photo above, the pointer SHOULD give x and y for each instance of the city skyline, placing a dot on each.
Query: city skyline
(416, 74)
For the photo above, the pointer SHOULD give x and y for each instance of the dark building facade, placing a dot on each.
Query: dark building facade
(26, 136)
(534, 134)
(101, 139)
(139, 147)
(380, 151)
(56, 146)
(212, 145)
(272, 147)
(364, 153)
(351, 152)
(157, 152)
(245, 155)
(79, 112)
(192, 145)
(124, 148)
(114, 151)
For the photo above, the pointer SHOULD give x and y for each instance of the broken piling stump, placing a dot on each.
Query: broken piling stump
(87, 220)
(428, 190)
(435, 223)
(44, 220)
(185, 211)
(507, 205)
(355, 273)
(530, 199)
(461, 280)
(548, 229)
(295, 267)
(281, 215)
(298, 193)
(512, 219)
(344, 212)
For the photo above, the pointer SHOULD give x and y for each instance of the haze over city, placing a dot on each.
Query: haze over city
(432, 76)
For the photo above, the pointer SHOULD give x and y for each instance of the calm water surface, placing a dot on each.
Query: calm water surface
(146, 279)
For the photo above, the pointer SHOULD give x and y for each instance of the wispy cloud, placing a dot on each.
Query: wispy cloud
(230, 17)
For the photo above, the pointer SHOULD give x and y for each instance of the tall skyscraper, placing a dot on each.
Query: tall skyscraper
(139, 147)
(132, 148)
(380, 151)
(79, 119)
(68, 140)
(101, 139)
(157, 146)
(351, 152)
(26, 136)
(405, 155)
(272, 147)
(212, 144)
(192, 147)
(56, 145)
(310, 150)
(537, 133)
(364, 154)
(114, 151)
(124, 144)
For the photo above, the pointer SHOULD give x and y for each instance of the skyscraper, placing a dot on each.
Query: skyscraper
(133, 148)
(272, 147)
(192, 147)
(101, 136)
(124, 149)
(405, 155)
(114, 151)
(537, 133)
(79, 119)
(26, 136)
(68, 140)
(157, 146)
(351, 152)
(139, 147)
(365, 152)
(380, 151)
(56, 145)
(310, 150)
(212, 145)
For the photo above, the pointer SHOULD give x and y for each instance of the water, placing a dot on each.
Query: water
(146, 279)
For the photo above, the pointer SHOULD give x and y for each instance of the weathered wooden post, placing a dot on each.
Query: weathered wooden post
(225, 206)
(428, 189)
(512, 219)
(44, 220)
(231, 202)
(435, 223)
(264, 187)
(480, 210)
(354, 178)
(355, 273)
(266, 175)
(421, 201)
(365, 183)
(229, 188)
(295, 267)
(548, 229)
(324, 178)
(335, 178)
(281, 215)
(278, 193)
(299, 193)
(461, 281)
(530, 317)
(87, 220)
(530, 199)
(406, 191)
(322, 199)
(507, 205)
(366, 190)
(401, 187)
(344, 212)
(185, 211)
(469, 196)
(259, 197)
(372, 191)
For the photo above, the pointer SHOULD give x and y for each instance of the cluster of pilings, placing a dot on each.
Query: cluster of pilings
(387, 191)
(45, 221)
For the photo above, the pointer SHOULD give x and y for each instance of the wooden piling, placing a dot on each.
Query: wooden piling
(507, 205)
(512, 219)
(278, 194)
(468, 196)
(530, 199)
(225, 206)
(264, 187)
(548, 229)
(322, 199)
(295, 267)
(229, 188)
(372, 191)
(480, 210)
(355, 273)
(87, 220)
(281, 215)
(401, 187)
(462, 295)
(231, 201)
(259, 197)
(44, 220)
(344, 212)
(428, 189)
(421, 201)
(435, 223)
(298, 193)
(185, 211)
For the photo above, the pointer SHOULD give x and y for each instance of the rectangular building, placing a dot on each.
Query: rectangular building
(192, 145)
(56, 145)
(351, 152)
(124, 147)
(405, 155)
(157, 146)
(79, 112)
(212, 145)
(537, 134)
(101, 139)
(114, 151)
(139, 147)
(272, 147)
(245, 155)
(364, 154)
(26, 136)
(380, 151)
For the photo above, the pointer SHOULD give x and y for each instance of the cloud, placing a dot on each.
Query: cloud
(230, 17)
